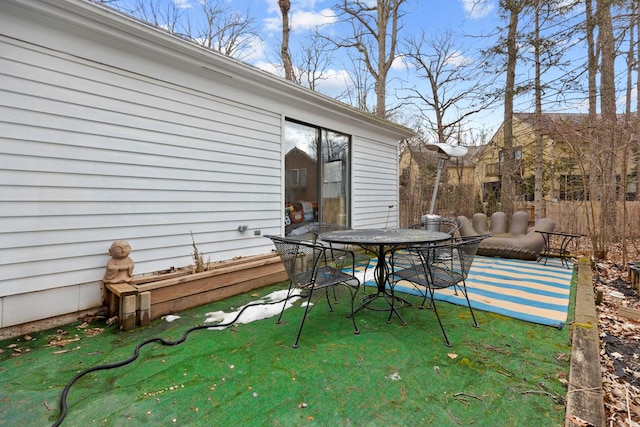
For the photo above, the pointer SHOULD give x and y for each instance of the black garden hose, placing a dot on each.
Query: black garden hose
(136, 353)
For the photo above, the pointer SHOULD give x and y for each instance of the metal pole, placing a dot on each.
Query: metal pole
(441, 160)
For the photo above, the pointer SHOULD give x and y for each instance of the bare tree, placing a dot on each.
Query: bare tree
(548, 51)
(224, 30)
(537, 47)
(313, 62)
(630, 131)
(160, 13)
(359, 87)
(374, 36)
(637, 133)
(454, 90)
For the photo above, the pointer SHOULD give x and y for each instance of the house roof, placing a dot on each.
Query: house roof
(556, 125)
(103, 19)
(471, 158)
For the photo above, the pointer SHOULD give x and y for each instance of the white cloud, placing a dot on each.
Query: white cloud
(399, 63)
(255, 51)
(457, 59)
(335, 83)
(268, 67)
(273, 23)
(301, 19)
(182, 4)
(476, 9)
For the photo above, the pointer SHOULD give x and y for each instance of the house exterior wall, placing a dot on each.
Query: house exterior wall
(524, 138)
(375, 184)
(564, 147)
(110, 129)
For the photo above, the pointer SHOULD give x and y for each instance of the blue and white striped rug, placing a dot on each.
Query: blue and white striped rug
(524, 290)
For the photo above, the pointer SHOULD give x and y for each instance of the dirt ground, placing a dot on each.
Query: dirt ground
(619, 333)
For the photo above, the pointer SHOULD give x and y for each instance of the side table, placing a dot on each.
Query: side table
(556, 245)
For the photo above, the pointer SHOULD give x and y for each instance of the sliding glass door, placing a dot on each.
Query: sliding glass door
(317, 176)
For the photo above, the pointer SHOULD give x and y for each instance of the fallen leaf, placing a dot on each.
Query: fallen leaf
(452, 355)
(580, 422)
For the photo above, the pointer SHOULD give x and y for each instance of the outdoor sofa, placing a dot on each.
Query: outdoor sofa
(510, 237)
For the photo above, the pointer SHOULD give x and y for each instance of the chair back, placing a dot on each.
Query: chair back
(317, 228)
(300, 259)
(449, 263)
(444, 225)
(467, 249)
(449, 226)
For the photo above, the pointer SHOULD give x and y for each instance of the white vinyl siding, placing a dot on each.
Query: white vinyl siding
(93, 154)
(375, 184)
(111, 129)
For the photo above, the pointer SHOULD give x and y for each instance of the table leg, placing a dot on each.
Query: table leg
(559, 250)
(381, 273)
(564, 252)
(547, 248)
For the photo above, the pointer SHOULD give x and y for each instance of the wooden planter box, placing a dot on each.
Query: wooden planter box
(151, 297)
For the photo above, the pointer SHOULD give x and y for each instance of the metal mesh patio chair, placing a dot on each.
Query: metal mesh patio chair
(401, 256)
(444, 225)
(361, 259)
(311, 270)
(441, 266)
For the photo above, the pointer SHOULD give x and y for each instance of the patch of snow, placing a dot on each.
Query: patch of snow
(257, 310)
(394, 377)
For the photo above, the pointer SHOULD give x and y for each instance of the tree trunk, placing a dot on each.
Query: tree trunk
(507, 192)
(594, 148)
(381, 81)
(285, 6)
(608, 130)
(538, 196)
(636, 150)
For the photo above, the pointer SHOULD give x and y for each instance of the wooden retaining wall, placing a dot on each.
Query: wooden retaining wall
(179, 291)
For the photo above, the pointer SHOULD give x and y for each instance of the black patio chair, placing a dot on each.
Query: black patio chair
(401, 256)
(361, 259)
(445, 225)
(310, 268)
(441, 266)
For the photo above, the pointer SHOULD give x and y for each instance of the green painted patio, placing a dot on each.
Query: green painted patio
(508, 372)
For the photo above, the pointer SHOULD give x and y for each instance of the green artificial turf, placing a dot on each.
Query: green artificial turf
(505, 373)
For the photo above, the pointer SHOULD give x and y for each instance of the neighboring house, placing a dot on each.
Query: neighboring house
(564, 148)
(459, 183)
(113, 129)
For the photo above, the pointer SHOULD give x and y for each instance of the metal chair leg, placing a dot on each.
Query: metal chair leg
(466, 295)
(284, 305)
(435, 310)
(304, 317)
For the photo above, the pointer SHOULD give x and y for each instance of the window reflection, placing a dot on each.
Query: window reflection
(315, 191)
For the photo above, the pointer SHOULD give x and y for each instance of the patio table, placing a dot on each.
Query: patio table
(383, 241)
(556, 244)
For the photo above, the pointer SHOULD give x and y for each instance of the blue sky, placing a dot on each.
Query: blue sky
(429, 15)
(470, 18)
(460, 16)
